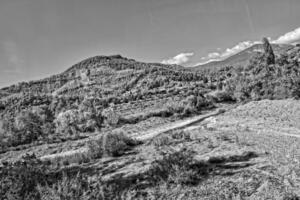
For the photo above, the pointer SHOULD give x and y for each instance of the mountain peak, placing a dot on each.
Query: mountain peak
(97, 60)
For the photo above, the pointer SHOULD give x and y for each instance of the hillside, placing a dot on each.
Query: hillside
(110, 127)
(243, 57)
(127, 88)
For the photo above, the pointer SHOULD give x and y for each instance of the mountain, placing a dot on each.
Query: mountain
(244, 56)
(98, 74)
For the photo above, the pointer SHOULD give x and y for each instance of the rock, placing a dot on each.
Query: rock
(268, 52)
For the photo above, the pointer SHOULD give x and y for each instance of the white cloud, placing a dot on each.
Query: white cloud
(238, 48)
(205, 62)
(179, 59)
(289, 37)
(216, 56)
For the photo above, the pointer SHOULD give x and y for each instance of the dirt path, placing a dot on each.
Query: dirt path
(175, 125)
(279, 133)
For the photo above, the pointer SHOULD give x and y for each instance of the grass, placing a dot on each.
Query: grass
(76, 188)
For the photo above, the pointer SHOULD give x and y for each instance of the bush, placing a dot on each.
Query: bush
(67, 122)
(175, 107)
(111, 144)
(162, 140)
(111, 117)
(178, 168)
(73, 121)
(221, 96)
(191, 105)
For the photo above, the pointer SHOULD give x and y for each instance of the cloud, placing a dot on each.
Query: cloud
(289, 38)
(213, 55)
(179, 59)
(237, 48)
(217, 56)
(205, 62)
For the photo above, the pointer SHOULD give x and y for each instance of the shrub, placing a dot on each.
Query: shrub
(178, 168)
(111, 117)
(111, 144)
(221, 96)
(73, 121)
(67, 122)
(162, 140)
(175, 107)
(191, 105)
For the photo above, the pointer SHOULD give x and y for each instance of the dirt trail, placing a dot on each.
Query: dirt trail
(279, 133)
(175, 125)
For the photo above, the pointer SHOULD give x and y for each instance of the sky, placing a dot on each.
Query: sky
(39, 38)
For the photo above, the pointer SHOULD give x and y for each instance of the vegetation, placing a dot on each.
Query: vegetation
(32, 179)
(260, 79)
(19, 180)
(179, 168)
(100, 101)
(111, 144)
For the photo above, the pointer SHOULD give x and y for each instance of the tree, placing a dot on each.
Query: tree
(27, 127)
(67, 122)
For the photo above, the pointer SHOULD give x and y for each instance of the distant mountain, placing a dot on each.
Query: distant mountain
(244, 56)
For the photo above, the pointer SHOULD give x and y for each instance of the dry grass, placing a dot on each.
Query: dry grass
(70, 157)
